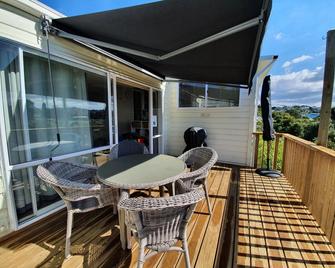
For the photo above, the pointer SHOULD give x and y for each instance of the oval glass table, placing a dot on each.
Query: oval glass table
(142, 171)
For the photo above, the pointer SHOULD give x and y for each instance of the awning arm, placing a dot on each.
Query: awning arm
(235, 29)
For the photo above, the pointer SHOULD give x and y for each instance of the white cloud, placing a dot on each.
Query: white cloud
(296, 60)
(279, 36)
(303, 87)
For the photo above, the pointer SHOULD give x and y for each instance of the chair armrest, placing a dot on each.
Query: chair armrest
(146, 204)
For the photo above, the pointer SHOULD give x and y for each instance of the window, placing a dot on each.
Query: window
(207, 95)
(31, 124)
(222, 96)
(192, 95)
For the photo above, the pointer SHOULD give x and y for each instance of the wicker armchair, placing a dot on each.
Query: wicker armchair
(127, 147)
(158, 223)
(199, 161)
(76, 185)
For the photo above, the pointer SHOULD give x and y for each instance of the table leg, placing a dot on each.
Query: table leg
(173, 188)
(128, 235)
(123, 228)
(161, 191)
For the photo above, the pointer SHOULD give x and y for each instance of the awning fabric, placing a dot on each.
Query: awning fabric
(166, 26)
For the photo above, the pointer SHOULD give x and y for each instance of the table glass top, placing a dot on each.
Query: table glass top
(139, 169)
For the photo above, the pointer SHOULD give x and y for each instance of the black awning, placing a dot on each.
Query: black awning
(222, 37)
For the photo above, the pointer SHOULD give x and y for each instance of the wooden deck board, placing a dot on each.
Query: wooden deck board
(95, 239)
(275, 228)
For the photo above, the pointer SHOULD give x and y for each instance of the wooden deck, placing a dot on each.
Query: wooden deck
(275, 228)
(95, 239)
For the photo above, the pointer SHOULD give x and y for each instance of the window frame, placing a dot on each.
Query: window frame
(205, 107)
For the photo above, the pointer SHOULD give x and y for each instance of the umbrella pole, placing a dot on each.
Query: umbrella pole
(267, 171)
(268, 155)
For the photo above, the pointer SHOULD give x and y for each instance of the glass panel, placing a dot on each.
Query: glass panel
(4, 217)
(133, 112)
(222, 96)
(12, 102)
(22, 194)
(96, 159)
(81, 104)
(157, 112)
(191, 95)
(45, 195)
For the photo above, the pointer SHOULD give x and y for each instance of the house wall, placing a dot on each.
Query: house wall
(229, 129)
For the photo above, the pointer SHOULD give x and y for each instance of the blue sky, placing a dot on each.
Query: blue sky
(296, 33)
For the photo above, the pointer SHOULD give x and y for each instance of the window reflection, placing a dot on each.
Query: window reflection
(81, 105)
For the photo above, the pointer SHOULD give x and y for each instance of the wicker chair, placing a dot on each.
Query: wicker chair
(199, 161)
(127, 147)
(77, 186)
(158, 223)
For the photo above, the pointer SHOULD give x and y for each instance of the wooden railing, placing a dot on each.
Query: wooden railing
(311, 171)
(261, 150)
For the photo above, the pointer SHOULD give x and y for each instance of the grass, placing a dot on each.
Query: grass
(262, 153)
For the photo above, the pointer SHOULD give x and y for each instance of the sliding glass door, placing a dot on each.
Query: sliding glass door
(79, 111)
(89, 110)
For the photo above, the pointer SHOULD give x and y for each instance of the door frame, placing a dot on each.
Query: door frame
(150, 90)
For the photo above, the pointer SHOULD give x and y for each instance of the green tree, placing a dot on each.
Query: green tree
(311, 131)
(295, 111)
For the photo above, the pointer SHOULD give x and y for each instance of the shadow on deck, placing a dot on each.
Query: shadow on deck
(275, 227)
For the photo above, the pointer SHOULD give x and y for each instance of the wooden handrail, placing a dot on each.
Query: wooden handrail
(311, 171)
(311, 145)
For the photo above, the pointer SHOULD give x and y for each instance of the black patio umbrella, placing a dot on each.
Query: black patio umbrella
(268, 130)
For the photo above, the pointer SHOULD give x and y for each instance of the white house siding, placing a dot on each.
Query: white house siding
(229, 129)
